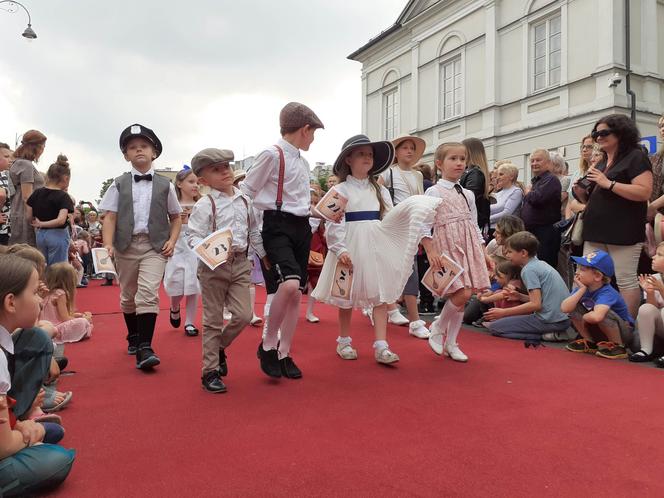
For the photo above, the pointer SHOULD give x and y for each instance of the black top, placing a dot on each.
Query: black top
(541, 206)
(46, 204)
(473, 179)
(610, 218)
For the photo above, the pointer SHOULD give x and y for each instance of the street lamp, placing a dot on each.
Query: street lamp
(29, 33)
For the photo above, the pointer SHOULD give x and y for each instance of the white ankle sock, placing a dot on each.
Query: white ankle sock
(344, 340)
(379, 345)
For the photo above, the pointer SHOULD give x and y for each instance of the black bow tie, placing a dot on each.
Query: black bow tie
(138, 178)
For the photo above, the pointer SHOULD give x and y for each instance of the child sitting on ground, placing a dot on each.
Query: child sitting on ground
(546, 291)
(59, 308)
(508, 279)
(597, 309)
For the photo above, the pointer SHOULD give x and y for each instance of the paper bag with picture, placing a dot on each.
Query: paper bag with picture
(102, 261)
(343, 282)
(213, 250)
(439, 281)
(332, 206)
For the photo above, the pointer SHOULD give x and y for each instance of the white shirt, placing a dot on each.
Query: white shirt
(507, 202)
(141, 194)
(263, 177)
(231, 212)
(8, 345)
(470, 199)
(406, 183)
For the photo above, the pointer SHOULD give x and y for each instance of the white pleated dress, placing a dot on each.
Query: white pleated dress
(382, 251)
(180, 277)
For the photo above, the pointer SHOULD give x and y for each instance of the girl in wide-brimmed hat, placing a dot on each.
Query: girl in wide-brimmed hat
(371, 237)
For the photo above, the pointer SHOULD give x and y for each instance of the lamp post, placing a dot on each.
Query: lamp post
(29, 33)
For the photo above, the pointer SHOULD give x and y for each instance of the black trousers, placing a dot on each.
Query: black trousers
(549, 243)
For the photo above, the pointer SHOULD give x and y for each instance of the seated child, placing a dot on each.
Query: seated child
(539, 311)
(598, 311)
(650, 320)
(58, 307)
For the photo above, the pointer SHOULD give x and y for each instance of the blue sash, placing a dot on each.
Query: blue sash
(363, 215)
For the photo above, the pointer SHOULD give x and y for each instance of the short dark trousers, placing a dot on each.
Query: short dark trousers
(287, 241)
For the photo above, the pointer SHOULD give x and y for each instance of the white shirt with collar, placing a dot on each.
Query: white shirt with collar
(263, 177)
(8, 345)
(470, 198)
(141, 193)
(231, 212)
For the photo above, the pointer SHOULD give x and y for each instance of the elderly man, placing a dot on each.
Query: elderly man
(541, 206)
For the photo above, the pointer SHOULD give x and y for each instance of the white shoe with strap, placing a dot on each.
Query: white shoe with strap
(453, 351)
(385, 356)
(418, 329)
(346, 351)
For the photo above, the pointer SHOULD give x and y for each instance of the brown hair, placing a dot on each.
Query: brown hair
(4, 146)
(523, 241)
(31, 254)
(509, 269)
(344, 171)
(59, 170)
(292, 129)
(583, 164)
(443, 149)
(508, 225)
(477, 157)
(16, 273)
(180, 177)
(425, 169)
(31, 147)
(62, 276)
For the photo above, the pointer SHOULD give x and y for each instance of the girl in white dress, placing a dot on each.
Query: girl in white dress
(371, 237)
(180, 278)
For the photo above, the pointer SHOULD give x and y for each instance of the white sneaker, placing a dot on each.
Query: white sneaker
(385, 356)
(255, 321)
(453, 351)
(396, 318)
(418, 329)
(346, 351)
(313, 319)
(227, 315)
(436, 339)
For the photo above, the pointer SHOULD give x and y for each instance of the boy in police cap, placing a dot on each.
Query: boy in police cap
(227, 286)
(284, 199)
(140, 230)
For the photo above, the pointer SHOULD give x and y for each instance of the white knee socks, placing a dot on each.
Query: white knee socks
(449, 322)
(192, 304)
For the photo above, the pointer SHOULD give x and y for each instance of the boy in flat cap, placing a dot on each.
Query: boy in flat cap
(141, 227)
(227, 285)
(278, 183)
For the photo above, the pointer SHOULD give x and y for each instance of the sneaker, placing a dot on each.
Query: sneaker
(190, 330)
(611, 350)
(582, 346)
(174, 318)
(212, 383)
(269, 362)
(255, 321)
(396, 318)
(639, 357)
(313, 319)
(132, 344)
(346, 351)
(385, 356)
(146, 358)
(418, 329)
(452, 351)
(289, 368)
(436, 339)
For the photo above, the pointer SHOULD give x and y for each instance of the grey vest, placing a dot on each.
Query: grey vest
(158, 221)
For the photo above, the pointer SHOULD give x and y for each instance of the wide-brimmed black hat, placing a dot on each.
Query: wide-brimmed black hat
(138, 130)
(383, 153)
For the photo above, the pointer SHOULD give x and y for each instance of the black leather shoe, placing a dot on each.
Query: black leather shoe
(146, 359)
(132, 344)
(175, 318)
(289, 368)
(223, 365)
(212, 383)
(269, 362)
(190, 330)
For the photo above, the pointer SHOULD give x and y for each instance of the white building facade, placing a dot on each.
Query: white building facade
(518, 74)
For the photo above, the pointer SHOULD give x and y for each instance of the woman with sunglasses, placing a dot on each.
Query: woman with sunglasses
(616, 199)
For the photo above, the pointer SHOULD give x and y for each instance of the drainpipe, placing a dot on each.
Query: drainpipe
(628, 68)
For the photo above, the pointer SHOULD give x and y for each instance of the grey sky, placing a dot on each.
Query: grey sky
(206, 73)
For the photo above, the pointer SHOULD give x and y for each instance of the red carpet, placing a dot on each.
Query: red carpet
(511, 422)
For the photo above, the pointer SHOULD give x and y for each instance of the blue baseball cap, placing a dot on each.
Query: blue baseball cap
(599, 260)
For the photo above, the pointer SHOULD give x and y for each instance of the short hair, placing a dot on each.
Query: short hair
(4, 146)
(558, 162)
(523, 241)
(544, 152)
(510, 169)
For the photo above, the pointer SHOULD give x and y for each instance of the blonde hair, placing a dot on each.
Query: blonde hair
(510, 169)
(62, 276)
(583, 164)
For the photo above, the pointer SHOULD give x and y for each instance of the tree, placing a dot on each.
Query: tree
(104, 188)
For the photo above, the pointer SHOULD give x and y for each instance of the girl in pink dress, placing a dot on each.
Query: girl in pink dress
(61, 279)
(456, 234)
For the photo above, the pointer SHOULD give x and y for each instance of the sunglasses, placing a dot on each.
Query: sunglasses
(601, 133)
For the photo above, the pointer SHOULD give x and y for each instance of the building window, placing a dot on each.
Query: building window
(451, 88)
(546, 53)
(391, 113)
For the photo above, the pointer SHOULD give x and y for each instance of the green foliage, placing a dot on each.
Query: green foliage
(104, 187)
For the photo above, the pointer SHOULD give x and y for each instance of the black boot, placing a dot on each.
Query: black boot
(223, 365)
(146, 359)
(212, 383)
(132, 332)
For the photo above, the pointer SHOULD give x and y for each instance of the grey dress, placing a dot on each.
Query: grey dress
(23, 171)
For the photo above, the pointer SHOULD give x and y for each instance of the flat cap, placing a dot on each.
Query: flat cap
(295, 116)
(138, 130)
(210, 157)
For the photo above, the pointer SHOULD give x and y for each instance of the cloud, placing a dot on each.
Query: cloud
(200, 74)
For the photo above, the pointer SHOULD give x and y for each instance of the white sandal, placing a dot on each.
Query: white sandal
(346, 351)
(385, 356)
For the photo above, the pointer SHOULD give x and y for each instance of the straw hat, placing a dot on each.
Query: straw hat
(420, 145)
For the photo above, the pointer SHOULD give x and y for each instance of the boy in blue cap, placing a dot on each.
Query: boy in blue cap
(597, 309)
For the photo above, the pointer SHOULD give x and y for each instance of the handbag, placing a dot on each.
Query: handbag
(576, 235)
(316, 259)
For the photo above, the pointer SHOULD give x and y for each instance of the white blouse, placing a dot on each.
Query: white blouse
(8, 345)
